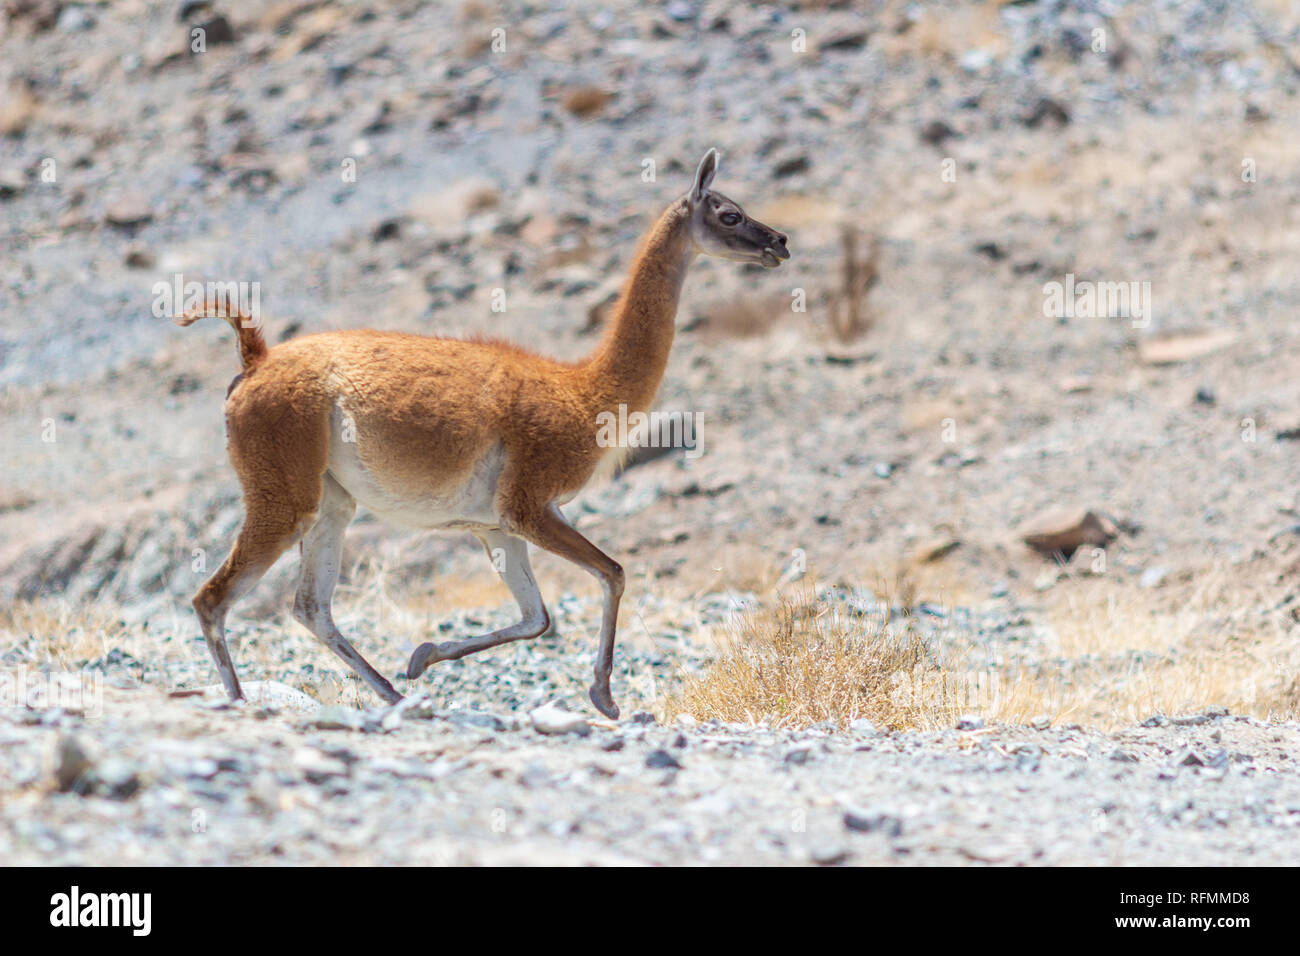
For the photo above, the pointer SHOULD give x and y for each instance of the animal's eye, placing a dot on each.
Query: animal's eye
(729, 218)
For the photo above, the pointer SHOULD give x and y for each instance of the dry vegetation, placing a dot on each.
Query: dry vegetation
(803, 660)
(1124, 656)
(1114, 659)
(850, 316)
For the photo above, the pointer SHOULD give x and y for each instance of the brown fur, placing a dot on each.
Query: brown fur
(252, 346)
(426, 412)
(427, 409)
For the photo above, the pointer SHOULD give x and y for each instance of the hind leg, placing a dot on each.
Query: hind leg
(278, 439)
(509, 555)
(267, 533)
(322, 550)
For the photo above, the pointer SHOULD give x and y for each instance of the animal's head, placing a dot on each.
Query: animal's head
(719, 227)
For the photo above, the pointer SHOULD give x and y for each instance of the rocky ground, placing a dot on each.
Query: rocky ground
(161, 781)
(395, 164)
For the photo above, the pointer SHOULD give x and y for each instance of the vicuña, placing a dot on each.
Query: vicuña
(450, 435)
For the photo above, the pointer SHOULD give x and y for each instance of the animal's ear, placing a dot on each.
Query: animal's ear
(704, 175)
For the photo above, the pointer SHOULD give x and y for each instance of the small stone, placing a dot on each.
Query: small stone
(191, 8)
(127, 212)
(202, 769)
(843, 40)
(216, 31)
(535, 777)
(799, 756)
(73, 19)
(680, 10)
(317, 766)
(12, 182)
(1188, 758)
(644, 717)
(862, 727)
(1123, 756)
(1046, 111)
(860, 822)
(416, 707)
(387, 229)
(553, 720)
(336, 718)
(791, 166)
(830, 854)
(475, 718)
(1153, 577)
(446, 212)
(1183, 346)
(138, 257)
(932, 550)
(970, 722)
(74, 763)
(1041, 723)
(1063, 530)
(115, 778)
(662, 760)
(936, 132)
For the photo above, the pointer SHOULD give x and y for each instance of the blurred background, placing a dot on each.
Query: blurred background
(1103, 505)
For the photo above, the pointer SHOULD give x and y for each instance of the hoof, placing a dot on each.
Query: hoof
(424, 655)
(604, 701)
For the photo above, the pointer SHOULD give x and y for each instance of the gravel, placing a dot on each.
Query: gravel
(162, 780)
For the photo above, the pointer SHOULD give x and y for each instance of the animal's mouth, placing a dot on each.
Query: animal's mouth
(773, 257)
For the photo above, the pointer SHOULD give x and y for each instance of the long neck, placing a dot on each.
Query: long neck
(628, 365)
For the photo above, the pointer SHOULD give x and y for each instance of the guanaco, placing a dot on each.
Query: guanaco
(450, 435)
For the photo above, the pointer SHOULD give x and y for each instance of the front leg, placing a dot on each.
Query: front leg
(509, 555)
(551, 531)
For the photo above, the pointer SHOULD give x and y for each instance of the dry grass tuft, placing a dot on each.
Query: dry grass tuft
(804, 660)
(1122, 657)
(60, 634)
(1114, 656)
(850, 317)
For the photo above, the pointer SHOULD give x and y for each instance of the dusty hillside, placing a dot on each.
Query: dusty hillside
(409, 166)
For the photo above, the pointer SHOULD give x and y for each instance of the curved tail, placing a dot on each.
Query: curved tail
(252, 346)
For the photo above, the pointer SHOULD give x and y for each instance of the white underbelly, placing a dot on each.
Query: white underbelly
(470, 505)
